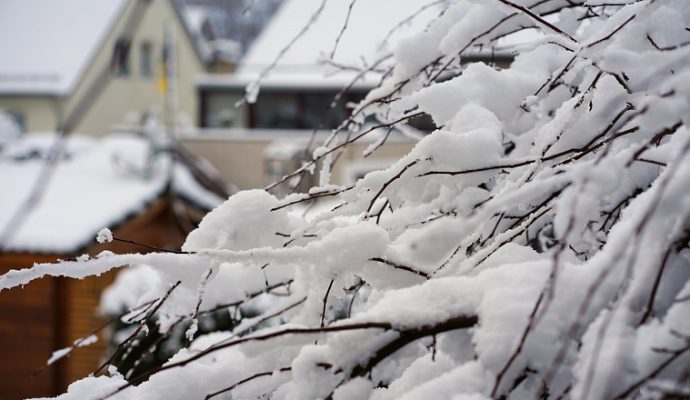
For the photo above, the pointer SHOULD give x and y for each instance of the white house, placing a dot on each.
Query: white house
(306, 72)
(84, 65)
(302, 83)
(266, 139)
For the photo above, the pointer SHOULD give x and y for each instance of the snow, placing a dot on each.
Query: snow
(104, 236)
(186, 186)
(377, 17)
(195, 16)
(132, 287)
(209, 43)
(96, 184)
(9, 130)
(45, 50)
(364, 42)
(59, 354)
(536, 243)
(244, 221)
(88, 191)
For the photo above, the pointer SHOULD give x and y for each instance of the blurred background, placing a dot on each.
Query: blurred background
(131, 115)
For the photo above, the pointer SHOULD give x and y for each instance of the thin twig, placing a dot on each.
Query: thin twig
(401, 267)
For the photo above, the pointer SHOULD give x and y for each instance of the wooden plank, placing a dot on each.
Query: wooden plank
(27, 340)
(51, 313)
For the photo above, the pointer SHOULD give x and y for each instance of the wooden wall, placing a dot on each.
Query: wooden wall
(51, 313)
(28, 335)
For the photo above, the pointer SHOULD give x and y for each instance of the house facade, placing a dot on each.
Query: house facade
(309, 54)
(259, 142)
(85, 65)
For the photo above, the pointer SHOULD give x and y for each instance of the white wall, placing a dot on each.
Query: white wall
(239, 155)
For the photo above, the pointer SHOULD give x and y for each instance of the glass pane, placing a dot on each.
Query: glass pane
(316, 113)
(275, 111)
(145, 60)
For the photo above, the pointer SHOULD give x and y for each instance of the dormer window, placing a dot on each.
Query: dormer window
(120, 62)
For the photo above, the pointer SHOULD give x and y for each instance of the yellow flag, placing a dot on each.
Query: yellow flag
(163, 79)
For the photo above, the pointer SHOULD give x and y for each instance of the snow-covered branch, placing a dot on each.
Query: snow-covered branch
(534, 246)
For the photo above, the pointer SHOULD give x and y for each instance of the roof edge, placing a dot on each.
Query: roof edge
(88, 64)
(188, 34)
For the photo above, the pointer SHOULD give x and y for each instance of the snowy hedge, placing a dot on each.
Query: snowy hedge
(534, 246)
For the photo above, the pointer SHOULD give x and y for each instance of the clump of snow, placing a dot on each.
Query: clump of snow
(535, 245)
(62, 353)
(244, 221)
(132, 287)
(58, 355)
(104, 236)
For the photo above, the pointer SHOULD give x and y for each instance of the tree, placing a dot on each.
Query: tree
(535, 245)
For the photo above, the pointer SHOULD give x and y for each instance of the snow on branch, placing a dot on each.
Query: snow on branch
(534, 246)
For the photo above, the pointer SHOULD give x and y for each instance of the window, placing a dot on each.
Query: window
(317, 112)
(275, 109)
(300, 110)
(278, 111)
(218, 110)
(120, 61)
(145, 52)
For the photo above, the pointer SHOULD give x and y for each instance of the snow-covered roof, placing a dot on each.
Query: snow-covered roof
(365, 40)
(45, 48)
(98, 183)
(205, 37)
(195, 17)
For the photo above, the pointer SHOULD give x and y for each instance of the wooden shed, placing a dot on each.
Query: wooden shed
(52, 313)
